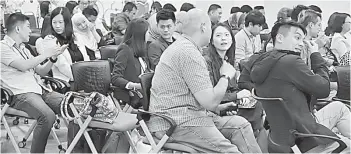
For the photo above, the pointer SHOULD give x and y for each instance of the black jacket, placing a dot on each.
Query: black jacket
(284, 74)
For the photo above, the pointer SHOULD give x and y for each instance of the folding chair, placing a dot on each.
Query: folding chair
(144, 116)
(282, 123)
(93, 76)
(6, 110)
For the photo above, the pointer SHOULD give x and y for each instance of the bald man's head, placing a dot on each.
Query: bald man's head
(198, 26)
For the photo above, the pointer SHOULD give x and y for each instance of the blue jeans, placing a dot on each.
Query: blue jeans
(231, 134)
(42, 108)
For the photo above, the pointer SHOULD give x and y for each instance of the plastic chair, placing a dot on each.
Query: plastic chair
(6, 110)
(93, 76)
(143, 115)
(282, 124)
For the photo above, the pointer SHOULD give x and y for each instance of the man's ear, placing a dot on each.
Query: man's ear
(279, 38)
(202, 27)
(17, 29)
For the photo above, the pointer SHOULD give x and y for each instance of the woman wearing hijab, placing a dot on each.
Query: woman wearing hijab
(86, 36)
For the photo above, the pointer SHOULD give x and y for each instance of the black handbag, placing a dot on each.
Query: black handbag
(135, 98)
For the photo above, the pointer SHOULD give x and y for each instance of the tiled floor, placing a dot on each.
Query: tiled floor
(19, 132)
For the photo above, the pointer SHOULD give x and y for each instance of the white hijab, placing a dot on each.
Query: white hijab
(83, 36)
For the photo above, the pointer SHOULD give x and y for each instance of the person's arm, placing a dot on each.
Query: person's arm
(121, 61)
(315, 83)
(120, 24)
(154, 53)
(199, 81)
(338, 48)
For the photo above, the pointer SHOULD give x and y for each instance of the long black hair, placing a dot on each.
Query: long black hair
(212, 52)
(67, 36)
(135, 36)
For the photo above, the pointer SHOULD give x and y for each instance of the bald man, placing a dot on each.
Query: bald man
(182, 90)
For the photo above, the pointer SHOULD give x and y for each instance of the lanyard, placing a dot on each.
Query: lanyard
(251, 40)
(24, 55)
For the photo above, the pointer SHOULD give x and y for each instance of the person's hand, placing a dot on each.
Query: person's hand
(91, 26)
(243, 94)
(222, 107)
(134, 85)
(311, 46)
(54, 52)
(227, 69)
(245, 101)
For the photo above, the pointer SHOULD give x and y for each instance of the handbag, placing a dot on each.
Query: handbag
(83, 102)
(135, 98)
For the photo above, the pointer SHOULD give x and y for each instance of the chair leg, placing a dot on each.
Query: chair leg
(12, 137)
(83, 127)
(53, 133)
(22, 143)
(295, 149)
(147, 134)
(131, 143)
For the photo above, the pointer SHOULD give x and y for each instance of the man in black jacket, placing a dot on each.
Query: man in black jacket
(287, 76)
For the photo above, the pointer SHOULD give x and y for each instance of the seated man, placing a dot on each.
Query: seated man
(182, 89)
(121, 20)
(19, 73)
(166, 25)
(297, 85)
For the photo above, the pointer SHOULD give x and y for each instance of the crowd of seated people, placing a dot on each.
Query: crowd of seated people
(204, 70)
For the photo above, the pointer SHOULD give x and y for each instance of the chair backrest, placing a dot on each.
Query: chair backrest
(92, 76)
(281, 123)
(146, 80)
(32, 20)
(108, 51)
(343, 76)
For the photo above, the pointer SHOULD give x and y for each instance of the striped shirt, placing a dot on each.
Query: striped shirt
(181, 72)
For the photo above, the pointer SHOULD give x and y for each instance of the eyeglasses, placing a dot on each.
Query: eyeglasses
(349, 22)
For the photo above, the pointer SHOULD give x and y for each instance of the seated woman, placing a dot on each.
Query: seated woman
(62, 33)
(340, 44)
(128, 61)
(221, 49)
(86, 36)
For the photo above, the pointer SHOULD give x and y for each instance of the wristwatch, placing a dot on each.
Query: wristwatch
(53, 60)
(225, 76)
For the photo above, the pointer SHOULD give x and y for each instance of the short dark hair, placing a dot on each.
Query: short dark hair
(258, 7)
(165, 14)
(255, 17)
(315, 8)
(90, 11)
(285, 25)
(156, 5)
(213, 7)
(234, 10)
(71, 5)
(246, 8)
(129, 7)
(169, 6)
(186, 7)
(135, 36)
(296, 11)
(339, 20)
(14, 19)
(309, 16)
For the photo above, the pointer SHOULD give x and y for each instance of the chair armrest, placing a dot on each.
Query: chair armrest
(58, 85)
(144, 115)
(341, 100)
(341, 147)
(8, 96)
